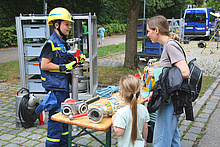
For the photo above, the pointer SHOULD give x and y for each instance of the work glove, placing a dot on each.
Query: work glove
(82, 58)
(69, 66)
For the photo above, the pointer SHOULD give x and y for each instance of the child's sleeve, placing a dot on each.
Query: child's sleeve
(120, 120)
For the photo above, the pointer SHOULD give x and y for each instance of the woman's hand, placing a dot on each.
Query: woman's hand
(150, 72)
(149, 96)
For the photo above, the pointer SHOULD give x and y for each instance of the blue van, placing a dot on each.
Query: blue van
(199, 22)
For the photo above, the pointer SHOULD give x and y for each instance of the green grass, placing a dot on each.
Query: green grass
(112, 49)
(9, 70)
(112, 75)
(206, 83)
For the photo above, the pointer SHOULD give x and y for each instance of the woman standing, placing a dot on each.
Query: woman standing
(166, 133)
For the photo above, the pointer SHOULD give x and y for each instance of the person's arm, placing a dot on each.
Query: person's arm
(46, 64)
(145, 130)
(149, 96)
(118, 131)
(183, 68)
(151, 68)
(47, 56)
(177, 58)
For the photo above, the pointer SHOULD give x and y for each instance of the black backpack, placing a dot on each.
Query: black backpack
(194, 80)
(195, 77)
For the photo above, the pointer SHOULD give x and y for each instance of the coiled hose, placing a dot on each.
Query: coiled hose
(26, 116)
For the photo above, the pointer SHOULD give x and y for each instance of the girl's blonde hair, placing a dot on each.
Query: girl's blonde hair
(130, 87)
(161, 23)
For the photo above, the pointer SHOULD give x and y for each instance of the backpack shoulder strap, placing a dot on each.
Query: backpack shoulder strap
(180, 47)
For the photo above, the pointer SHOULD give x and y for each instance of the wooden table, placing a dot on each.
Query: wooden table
(85, 123)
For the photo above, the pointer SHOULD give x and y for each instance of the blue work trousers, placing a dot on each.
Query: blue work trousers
(57, 132)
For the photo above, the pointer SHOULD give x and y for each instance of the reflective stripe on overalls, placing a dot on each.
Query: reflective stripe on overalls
(55, 79)
(57, 140)
(57, 132)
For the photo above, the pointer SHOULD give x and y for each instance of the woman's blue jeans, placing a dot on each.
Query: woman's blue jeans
(166, 132)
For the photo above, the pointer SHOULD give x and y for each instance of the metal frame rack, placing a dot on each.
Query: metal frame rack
(34, 27)
(92, 52)
(177, 26)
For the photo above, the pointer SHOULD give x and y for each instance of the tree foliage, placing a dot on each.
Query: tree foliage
(11, 8)
(213, 3)
(107, 11)
(168, 8)
(197, 3)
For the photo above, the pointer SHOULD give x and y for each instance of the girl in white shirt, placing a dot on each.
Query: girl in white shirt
(130, 123)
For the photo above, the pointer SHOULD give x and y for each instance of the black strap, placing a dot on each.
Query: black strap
(180, 47)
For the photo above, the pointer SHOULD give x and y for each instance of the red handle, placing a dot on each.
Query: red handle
(80, 115)
(137, 75)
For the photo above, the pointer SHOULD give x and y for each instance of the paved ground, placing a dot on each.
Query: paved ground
(206, 108)
(211, 137)
(8, 55)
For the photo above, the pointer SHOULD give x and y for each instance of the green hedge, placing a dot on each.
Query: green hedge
(8, 35)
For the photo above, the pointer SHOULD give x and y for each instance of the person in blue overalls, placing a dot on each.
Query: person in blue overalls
(53, 66)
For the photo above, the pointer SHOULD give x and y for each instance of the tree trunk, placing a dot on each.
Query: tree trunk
(131, 35)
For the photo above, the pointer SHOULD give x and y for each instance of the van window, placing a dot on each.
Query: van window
(190, 18)
(200, 17)
(195, 17)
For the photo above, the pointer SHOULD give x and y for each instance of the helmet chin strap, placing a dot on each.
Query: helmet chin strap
(60, 32)
(64, 38)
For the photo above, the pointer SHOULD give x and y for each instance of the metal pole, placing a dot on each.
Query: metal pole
(144, 8)
(218, 31)
(20, 51)
(45, 7)
(75, 76)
